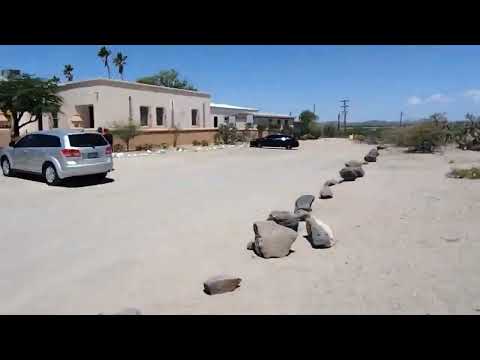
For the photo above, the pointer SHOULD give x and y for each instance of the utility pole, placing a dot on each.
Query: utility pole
(344, 107)
(338, 123)
(314, 109)
(401, 118)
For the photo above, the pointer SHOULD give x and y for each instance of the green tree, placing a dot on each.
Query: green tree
(306, 118)
(126, 131)
(103, 54)
(68, 72)
(168, 78)
(120, 61)
(28, 95)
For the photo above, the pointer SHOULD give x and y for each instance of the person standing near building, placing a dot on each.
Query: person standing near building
(108, 136)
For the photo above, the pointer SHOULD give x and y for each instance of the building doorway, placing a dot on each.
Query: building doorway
(91, 117)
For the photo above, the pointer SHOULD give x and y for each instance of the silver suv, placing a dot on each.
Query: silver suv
(58, 154)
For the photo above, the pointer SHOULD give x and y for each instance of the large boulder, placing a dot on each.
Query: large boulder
(221, 284)
(320, 235)
(370, 158)
(330, 182)
(348, 174)
(284, 218)
(272, 240)
(326, 193)
(304, 202)
(301, 214)
(353, 163)
(373, 152)
(358, 171)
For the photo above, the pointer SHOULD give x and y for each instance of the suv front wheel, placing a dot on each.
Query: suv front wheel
(50, 175)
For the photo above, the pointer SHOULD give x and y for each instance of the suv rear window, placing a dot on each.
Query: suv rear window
(87, 140)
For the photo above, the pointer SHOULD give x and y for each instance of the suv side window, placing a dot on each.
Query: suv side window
(46, 141)
(24, 142)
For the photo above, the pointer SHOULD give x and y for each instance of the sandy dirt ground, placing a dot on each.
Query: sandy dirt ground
(408, 237)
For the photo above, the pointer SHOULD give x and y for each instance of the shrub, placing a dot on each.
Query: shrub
(240, 137)
(315, 130)
(421, 137)
(204, 143)
(144, 147)
(227, 134)
(164, 146)
(196, 142)
(118, 148)
(307, 137)
(287, 130)
(329, 130)
(472, 173)
(360, 138)
(126, 132)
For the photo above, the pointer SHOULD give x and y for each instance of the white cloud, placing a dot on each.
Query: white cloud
(438, 98)
(435, 98)
(474, 94)
(414, 100)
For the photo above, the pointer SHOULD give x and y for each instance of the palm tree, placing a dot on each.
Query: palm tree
(68, 72)
(103, 54)
(120, 62)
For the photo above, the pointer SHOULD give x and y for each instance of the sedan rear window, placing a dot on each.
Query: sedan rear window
(87, 140)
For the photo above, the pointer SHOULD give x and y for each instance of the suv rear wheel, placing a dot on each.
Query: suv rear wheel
(50, 175)
(6, 169)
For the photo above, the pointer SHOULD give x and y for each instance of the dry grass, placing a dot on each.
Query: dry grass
(472, 173)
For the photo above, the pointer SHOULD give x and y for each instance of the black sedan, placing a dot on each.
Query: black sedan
(277, 140)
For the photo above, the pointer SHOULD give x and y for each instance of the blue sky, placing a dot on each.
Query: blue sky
(380, 81)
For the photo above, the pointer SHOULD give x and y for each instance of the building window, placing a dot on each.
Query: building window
(194, 117)
(227, 120)
(55, 120)
(144, 115)
(215, 121)
(278, 122)
(160, 116)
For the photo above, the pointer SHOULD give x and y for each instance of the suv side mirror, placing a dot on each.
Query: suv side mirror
(11, 143)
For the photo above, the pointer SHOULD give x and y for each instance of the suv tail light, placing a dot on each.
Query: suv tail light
(108, 150)
(70, 153)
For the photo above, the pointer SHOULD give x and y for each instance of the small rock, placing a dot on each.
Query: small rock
(250, 245)
(326, 193)
(358, 171)
(348, 174)
(126, 311)
(370, 158)
(330, 182)
(284, 218)
(120, 155)
(373, 152)
(353, 163)
(381, 147)
(304, 202)
(149, 151)
(320, 234)
(365, 163)
(272, 240)
(221, 284)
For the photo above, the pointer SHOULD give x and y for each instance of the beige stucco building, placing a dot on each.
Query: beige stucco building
(164, 114)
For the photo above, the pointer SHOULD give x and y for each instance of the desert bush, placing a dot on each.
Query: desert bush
(118, 148)
(196, 142)
(126, 131)
(307, 137)
(227, 134)
(472, 173)
(421, 137)
(287, 130)
(315, 129)
(468, 138)
(144, 147)
(360, 138)
(330, 131)
(204, 143)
